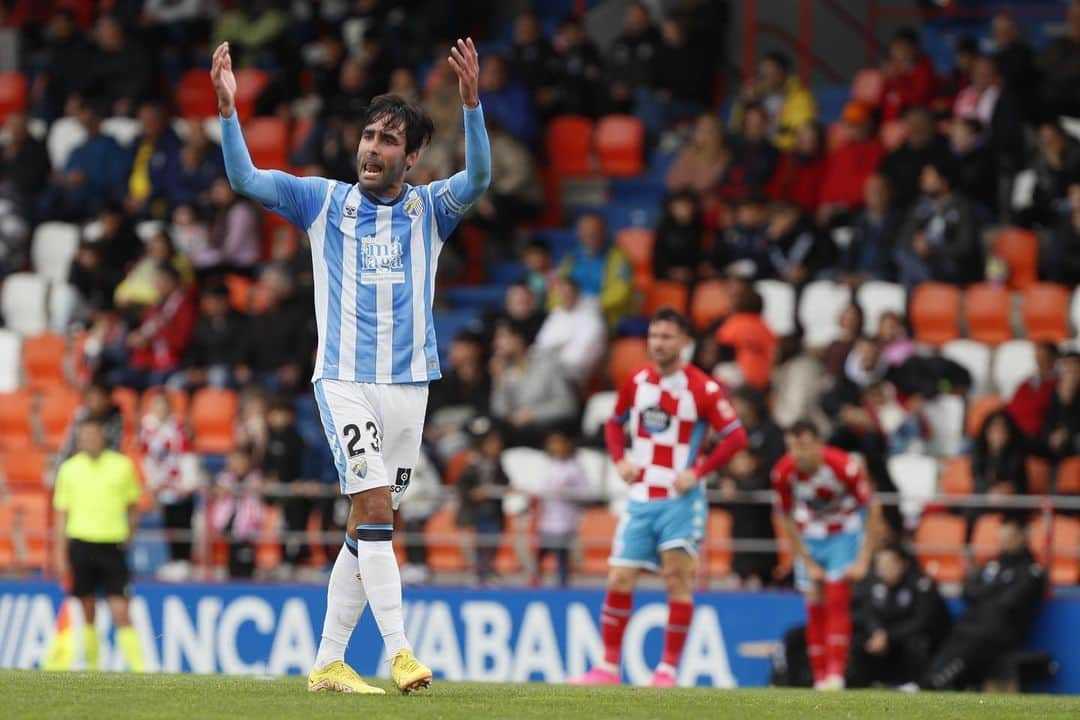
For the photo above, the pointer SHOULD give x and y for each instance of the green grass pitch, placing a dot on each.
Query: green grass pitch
(29, 695)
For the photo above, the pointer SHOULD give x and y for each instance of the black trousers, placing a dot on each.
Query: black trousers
(296, 511)
(904, 662)
(415, 546)
(966, 656)
(177, 519)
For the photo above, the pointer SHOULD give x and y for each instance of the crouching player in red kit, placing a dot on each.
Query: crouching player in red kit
(832, 526)
(667, 408)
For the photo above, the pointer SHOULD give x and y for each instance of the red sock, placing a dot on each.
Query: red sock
(678, 625)
(613, 619)
(837, 626)
(815, 639)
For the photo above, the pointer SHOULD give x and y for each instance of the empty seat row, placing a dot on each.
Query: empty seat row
(614, 145)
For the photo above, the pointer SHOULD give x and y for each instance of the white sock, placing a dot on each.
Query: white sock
(345, 603)
(382, 582)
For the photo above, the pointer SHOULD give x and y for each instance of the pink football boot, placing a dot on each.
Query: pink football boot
(663, 678)
(598, 676)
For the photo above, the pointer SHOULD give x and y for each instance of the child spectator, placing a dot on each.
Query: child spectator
(559, 510)
(750, 521)
(252, 430)
(480, 488)
(281, 465)
(236, 510)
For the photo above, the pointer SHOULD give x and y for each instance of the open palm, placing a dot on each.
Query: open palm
(221, 74)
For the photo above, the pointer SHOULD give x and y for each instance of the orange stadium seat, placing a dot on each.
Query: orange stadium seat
(935, 313)
(718, 553)
(980, 408)
(663, 293)
(443, 539)
(195, 95)
(1068, 477)
(1045, 312)
(628, 355)
(43, 361)
(620, 145)
(25, 514)
(1019, 249)
(868, 86)
(57, 410)
(709, 303)
(456, 465)
(268, 546)
(596, 534)
(249, 83)
(569, 145)
(268, 141)
(637, 243)
(1064, 544)
(1038, 476)
(984, 538)
(986, 313)
(239, 288)
(956, 476)
(15, 411)
(893, 134)
(13, 93)
(24, 468)
(939, 543)
(213, 412)
(300, 130)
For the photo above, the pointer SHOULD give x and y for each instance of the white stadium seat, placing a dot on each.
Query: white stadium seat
(598, 411)
(23, 303)
(63, 299)
(915, 477)
(974, 356)
(1014, 362)
(525, 467)
(53, 249)
(65, 135)
(945, 414)
(876, 298)
(820, 306)
(779, 301)
(596, 465)
(10, 353)
(123, 130)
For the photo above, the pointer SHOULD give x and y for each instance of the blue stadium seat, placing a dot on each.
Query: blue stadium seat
(506, 272)
(619, 215)
(642, 191)
(449, 323)
(559, 240)
(148, 551)
(475, 297)
(831, 100)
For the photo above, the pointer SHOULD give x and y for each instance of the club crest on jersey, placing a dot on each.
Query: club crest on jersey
(655, 420)
(349, 211)
(359, 467)
(413, 205)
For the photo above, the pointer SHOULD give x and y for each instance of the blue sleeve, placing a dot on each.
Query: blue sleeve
(298, 200)
(453, 197)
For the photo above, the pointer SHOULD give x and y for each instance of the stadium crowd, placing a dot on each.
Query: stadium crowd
(822, 261)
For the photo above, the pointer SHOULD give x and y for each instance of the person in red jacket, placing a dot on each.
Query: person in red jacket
(156, 347)
(909, 76)
(849, 166)
(799, 174)
(1033, 397)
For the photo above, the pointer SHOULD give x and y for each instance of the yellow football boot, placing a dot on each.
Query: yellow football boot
(339, 677)
(408, 673)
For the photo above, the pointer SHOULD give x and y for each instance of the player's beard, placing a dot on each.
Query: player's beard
(389, 175)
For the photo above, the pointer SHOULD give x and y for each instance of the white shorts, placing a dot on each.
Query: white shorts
(373, 431)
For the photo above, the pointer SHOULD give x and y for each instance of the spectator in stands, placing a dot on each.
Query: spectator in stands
(797, 382)
(896, 345)
(505, 101)
(426, 496)
(531, 59)
(849, 166)
(909, 76)
(277, 347)
(1060, 65)
(251, 429)
(254, 29)
(868, 255)
(850, 322)
(97, 405)
(976, 166)
(64, 68)
(578, 70)
(157, 345)
(899, 617)
(1062, 259)
(863, 368)
(154, 165)
(1057, 164)
(801, 172)
(236, 510)
(520, 305)
(753, 154)
(703, 161)
(1015, 61)
(234, 244)
(940, 238)
(679, 236)
(530, 396)
(92, 177)
(515, 195)
(353, 93)
(139, 288)
(1002, 600)
(403, 83)
(997, 108)
(600, 269)
(949, 86)
(481, 488)
(164, 454)
(787, 104)
(559, 496)
(745, 245)
(573, 333)
(24, 165)
(748, 472)
(766, 439)
(903, 167)
(538, 273)
(120, 69)
(998, 463)
(282, 465)
(746, 332)
(629, 64)
(462, 395)
(1061, 429)
(797, 251)
(120, 244)
(200, 164)
(214, 350)
(93, 279)
(675, 94)
(1032, 398)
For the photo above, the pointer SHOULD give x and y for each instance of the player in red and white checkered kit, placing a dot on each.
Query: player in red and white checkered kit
(667, 409)
(832, 526)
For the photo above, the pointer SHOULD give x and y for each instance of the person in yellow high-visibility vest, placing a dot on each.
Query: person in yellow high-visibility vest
(95, 499)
